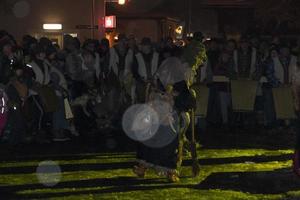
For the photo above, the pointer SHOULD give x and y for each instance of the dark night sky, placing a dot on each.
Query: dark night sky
(179, 9)
(173, 8)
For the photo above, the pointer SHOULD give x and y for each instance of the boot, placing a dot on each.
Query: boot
(173, 177)
(140, 170)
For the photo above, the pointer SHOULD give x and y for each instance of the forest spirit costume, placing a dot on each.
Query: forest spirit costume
(160, 152)
(175, 76)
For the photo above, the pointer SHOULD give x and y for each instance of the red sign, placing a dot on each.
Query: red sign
(110, 22)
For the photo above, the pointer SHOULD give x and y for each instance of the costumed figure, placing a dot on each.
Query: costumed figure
(158, 142)
(193, 58)
(171, 100)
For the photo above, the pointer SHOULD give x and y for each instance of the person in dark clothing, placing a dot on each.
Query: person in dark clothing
(28, 44)
(145, 66)
(224, 68)
(104, 56)
(245, 59)
(296, 94)
(213, 53)
(6, 59)
(17, 92)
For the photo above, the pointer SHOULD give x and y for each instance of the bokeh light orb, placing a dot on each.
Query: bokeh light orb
(48, 173)
(164, 110)
(140, 122)
(167, 134)
(21, 9)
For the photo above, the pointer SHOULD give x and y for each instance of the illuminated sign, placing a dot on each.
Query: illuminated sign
(110, 22)
(52, 26)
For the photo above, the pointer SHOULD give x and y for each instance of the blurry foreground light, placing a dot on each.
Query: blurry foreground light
(52, 26)
(179, 29)
(121, 2)
(190, 35)
(3, 105)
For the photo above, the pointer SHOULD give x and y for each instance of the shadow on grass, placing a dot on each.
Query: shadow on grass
(69, 167)
(243, 159)
(274, 182)
(120, 184)
(128, 165)
(63, 157)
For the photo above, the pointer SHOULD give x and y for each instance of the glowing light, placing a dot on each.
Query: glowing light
(110, 22)
(29, 66)
(121, 2)
(52, 26)
(3, 105)
(190, 35)
(179, 30)
(140, 122)
(72, 34)
(48, 173)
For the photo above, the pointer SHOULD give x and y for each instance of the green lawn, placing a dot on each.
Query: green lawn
(109, 176)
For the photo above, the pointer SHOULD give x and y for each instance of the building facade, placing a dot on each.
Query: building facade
(154, 27)
(77, 17)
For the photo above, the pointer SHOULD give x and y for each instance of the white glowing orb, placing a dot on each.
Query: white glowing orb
(21, 9)
(48, 173)
(140, 122)
(163, 108)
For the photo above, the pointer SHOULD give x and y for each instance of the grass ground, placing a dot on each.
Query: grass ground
(109, 176)
(233, 166)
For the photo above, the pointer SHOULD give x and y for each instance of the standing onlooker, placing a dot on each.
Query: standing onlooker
(225, 68)
(6, 59)
(296, 94)
(245, 59)
(145, 66)
(279, 72)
